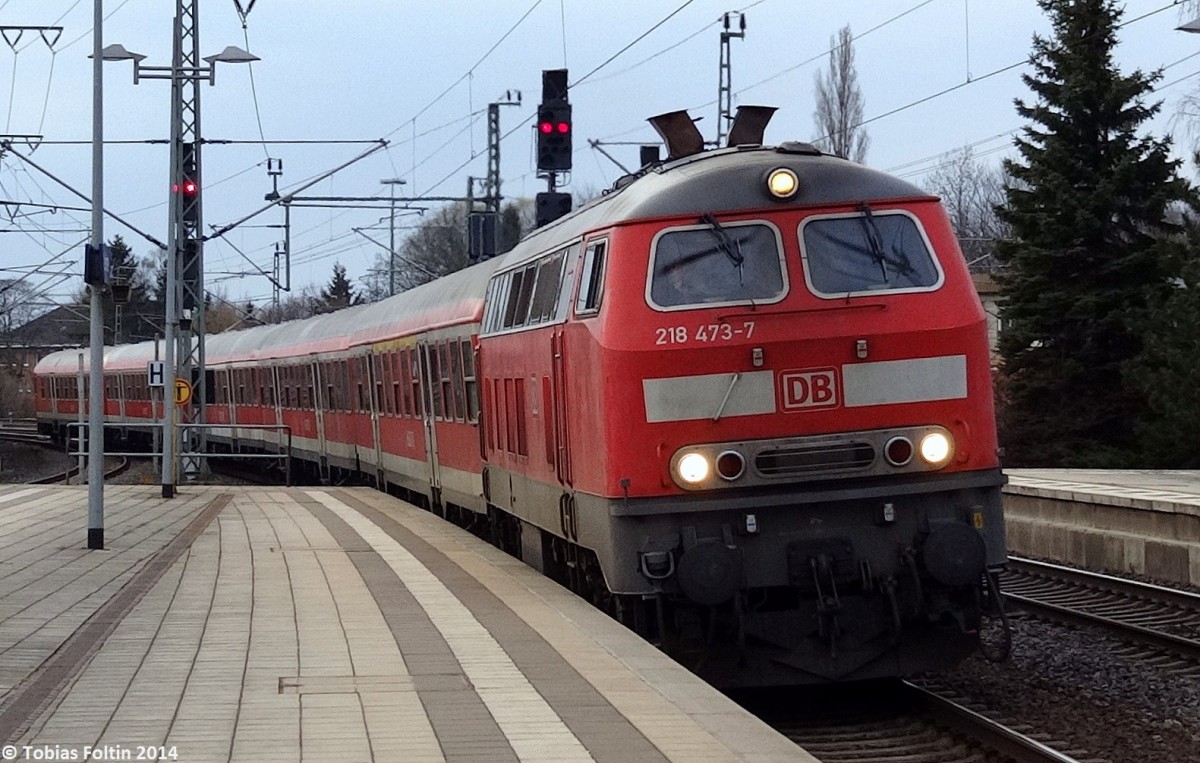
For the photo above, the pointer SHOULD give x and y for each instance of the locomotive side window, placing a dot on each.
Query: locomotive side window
(517, 308)
(716, 263)
(529, 295)
(545, 294)
(591, 286)
(867, 252)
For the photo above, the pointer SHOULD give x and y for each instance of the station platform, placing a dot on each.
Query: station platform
(1142, 522)
(272, 624)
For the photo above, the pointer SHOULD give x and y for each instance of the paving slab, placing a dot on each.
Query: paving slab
(251, 624)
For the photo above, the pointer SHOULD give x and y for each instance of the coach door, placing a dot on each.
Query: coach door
(374, 375)
(427, 353)
(320, 401)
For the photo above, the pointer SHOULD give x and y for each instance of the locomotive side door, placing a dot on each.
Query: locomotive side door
(557, 406)
(427, 356)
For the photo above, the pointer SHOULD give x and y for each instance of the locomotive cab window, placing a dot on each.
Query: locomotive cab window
(716, 263)
(591, 284)
(867, 252)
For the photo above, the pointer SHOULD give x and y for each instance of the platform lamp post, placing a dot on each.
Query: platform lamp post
(95, 535)
(185, 271)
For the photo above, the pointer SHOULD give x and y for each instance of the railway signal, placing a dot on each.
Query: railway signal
(186, 183)
(554, 126)
(551, 205)
(554, 137)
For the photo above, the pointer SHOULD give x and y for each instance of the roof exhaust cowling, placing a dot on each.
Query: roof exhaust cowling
(749, 125)
(679, 132)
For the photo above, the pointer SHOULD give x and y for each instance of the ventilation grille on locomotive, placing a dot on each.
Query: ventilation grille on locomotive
(814, 459)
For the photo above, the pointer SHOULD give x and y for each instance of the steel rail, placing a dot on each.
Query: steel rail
(1186, 599)
(1148, 636)
(993, 734)
(74, 470)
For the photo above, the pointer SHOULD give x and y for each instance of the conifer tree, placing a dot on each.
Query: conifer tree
(339, 293)
(1087, 206)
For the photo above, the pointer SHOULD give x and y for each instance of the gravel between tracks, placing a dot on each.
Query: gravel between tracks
(23, 462)
(1068, 682)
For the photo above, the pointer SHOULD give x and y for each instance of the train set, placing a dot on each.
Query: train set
(742, 401)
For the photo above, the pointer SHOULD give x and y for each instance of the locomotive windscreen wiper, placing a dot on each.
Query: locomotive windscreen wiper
(723, 241)
(900, 264)
(873, 239)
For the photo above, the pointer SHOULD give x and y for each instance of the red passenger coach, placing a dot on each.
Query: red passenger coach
(742, 401)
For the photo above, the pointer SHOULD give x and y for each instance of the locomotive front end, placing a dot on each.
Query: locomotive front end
(813, 493)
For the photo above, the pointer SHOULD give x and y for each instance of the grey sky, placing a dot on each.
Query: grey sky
(363, 69)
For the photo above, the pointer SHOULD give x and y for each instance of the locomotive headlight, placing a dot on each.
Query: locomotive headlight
(693, 468)
(782, 183)
(936, 448)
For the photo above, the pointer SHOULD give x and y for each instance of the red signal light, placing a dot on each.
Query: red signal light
(190, 187)
(564, 127)
(546, 127)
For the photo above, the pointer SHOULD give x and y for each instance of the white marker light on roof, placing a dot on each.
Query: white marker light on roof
(782, 183)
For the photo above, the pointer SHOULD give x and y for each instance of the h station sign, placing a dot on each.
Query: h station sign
(156, 376)
(156, 373)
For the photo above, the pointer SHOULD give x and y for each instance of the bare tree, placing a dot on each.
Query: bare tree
(971, 191)
(439, 246)
(1188, 108)
(18, 305)
(299, 305)
(839, 111)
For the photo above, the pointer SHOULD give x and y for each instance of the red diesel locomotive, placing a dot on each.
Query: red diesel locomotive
(742, 401)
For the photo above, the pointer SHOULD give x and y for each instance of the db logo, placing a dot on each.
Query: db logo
(809, 389)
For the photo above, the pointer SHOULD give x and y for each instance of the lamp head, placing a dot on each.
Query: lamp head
(232, 55)
(117, 52)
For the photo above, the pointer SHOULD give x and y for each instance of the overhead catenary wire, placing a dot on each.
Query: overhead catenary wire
(412, 120)
(253, 88)
(635, 41)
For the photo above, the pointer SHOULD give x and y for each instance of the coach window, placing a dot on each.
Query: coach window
(454, 348)
(414, 378)
(468, 373)
(435, 370)
(388, 360)
(377, 399)
(360, 383)
(449, 409)
(866, 252)
(716, 263)
(591, 285)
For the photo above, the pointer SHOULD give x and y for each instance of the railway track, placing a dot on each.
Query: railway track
(1139, 614)
(22, 430)
(120, 467)
(912, 723)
